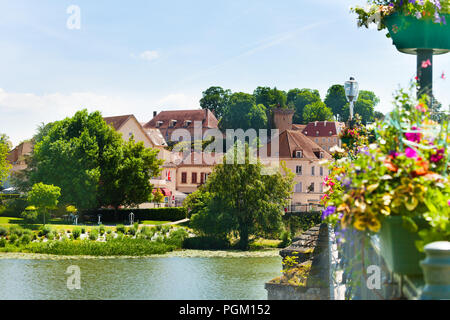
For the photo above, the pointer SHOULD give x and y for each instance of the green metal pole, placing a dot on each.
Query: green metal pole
(425, 75)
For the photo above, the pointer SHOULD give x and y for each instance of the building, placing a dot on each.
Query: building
(324, 133)
(303, 157)
(17, 156)
(169, 121)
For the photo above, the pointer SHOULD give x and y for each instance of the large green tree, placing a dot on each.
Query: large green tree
(242, 198)
(5, 167)
(364, 106)
(216, 99)
(336, 101)
(317, 111)
(270, 97)
(125, 180)
(89, 161)
(244, 113)
(298, 99)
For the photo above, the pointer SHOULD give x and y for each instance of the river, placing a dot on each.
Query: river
(160, 278)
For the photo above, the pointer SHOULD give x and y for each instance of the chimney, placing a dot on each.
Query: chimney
(155, 113)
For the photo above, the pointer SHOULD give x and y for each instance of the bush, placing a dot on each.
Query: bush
(155, 214)
(51, 235)
(120, 228)
(76, 233)
(44, 230)
(30, 216)
(108, 231)
(16, 231)
(132, 231)
(285, 239)
(177, 237)
(3, 232)
(206, 243)
(2, 243)
(93, 235)
(26, 239)
(102, 229)
(13, 238)
(83, 230)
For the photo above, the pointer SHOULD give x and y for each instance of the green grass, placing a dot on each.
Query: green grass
(115, 247)
(154, 223)
(264, 243)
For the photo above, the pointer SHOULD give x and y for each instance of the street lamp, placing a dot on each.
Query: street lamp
(351, 92)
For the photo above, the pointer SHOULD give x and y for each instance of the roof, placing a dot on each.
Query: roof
(298, 127)
(205, 116)
(155, 136)
(321, 129)
(23, 149)
(118, 121)
(291, 141)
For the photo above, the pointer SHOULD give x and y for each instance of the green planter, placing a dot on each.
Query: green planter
(398, 247)
(409, 33)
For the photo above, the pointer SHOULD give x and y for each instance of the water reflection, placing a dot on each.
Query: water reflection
(165, 278)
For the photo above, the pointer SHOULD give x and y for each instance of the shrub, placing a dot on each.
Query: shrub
(93, 235)
(3, 232)
(44, 230)
(16, 230)
(132, 231)
(2, 243)
(76, 233)
(102, 229)
(285, 239)
(83, 230)
(30, 216)
(177, 237)
(26, 239)
(155, 214)
(13, 238)
(108, 231)
(206, 243)
(120, 228)
(51, 235)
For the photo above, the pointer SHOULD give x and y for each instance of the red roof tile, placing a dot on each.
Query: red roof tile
(206, 117)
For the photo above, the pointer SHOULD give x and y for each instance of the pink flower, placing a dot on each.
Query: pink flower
(411, 153)
(438, 156)
(413, 136)
(426, 64)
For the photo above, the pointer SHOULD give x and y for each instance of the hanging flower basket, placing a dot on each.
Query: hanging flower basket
(409, 33)
(398, 246)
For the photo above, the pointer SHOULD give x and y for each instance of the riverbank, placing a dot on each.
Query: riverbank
(178, 253)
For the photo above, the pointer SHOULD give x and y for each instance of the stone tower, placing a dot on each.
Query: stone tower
(282, 119)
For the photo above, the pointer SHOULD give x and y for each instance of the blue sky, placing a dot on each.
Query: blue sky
(143, 56)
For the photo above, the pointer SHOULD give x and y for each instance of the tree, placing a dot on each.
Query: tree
(270, 97)
(216, 99)
(126, 180)
(378, 115)
(336, 101)
(5, 167)
(299, 99)
(243, 199)
(317, 111)
(44, 197)
(243, 113)
(364, 106)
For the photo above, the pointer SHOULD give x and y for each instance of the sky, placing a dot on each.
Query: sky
(140, 56)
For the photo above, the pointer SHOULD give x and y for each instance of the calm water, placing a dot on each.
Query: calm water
(150, 278)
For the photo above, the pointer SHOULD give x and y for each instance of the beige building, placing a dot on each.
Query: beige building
(303, 157)
(17, 156)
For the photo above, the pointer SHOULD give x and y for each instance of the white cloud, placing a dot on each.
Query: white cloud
(148, 55)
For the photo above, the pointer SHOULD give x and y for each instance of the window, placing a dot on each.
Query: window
(183, 177)
(202, 178)
(321, 155)
(299, 154)
(311, 187)
(317, 140)
(173, 123)
(313, 170)
(317, 133)
(324, 140)
(194, 177)
(159, 124)
(321, 171)
(298, 188)
(187, 123)
(321, 188)
(298, 170)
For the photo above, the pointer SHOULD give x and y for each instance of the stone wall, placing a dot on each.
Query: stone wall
(310, 248)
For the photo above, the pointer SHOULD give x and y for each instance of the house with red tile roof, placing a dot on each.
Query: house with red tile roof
(324, 133)
(169, 121)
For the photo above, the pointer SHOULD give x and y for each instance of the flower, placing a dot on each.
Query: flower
(413, 136)
(410, 153)
(438, 156)
(328, 212)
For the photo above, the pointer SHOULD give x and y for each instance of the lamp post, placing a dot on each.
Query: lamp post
(351, 93)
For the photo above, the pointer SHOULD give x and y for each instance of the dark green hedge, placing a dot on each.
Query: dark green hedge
(155, 214)
(205, 243)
